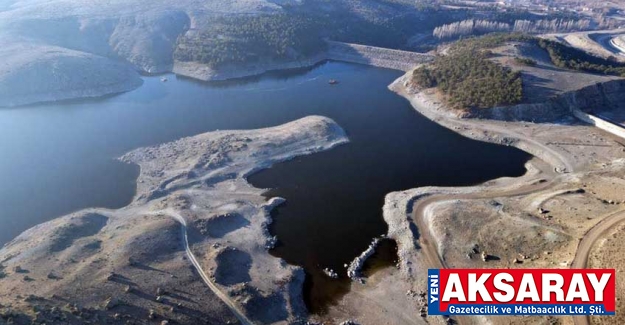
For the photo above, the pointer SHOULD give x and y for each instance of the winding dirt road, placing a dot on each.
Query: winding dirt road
(434, 260)
(587, 243)
(428, 244)
(211, 285)
(496, 132)
(523, 141)
(429, 248)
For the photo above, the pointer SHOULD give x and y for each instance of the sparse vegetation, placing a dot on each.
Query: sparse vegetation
(489, 41)
(525, 61)
(299, 32)
(571, 58)
(469, 79)
(561, 55)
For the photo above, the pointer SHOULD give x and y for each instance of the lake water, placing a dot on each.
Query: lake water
(58, 158)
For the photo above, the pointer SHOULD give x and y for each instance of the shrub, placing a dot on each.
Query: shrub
(469, 79)
(525, 61)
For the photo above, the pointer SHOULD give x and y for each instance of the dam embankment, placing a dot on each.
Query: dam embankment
(336, 51)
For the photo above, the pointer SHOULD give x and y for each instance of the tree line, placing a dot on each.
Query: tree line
(470, 80)
(564, 56)
(245, 39)
(561, 55)
(480, 27)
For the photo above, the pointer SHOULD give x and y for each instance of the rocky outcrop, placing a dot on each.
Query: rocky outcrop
(148, 40)
(540, 112)
(598, 97)
(353, 271)
(199, 71)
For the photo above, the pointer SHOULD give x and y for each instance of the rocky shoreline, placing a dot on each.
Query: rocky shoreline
(353, 271)
(72, 78)
(193, 204)
(337, 51)
(74, 94)
(204, 72)
(428, 223)
(195, 188)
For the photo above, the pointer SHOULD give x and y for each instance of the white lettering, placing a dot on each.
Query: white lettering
(599, 286)
(453, 289)
(501, 285)
(577, 288)
(477, 285)
(550, 287)
(527, 289)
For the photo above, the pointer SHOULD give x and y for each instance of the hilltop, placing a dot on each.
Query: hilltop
(121, 37)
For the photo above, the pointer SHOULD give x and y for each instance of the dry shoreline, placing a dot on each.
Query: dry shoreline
(423, 221)
(403, 303)
(191, 187)
(129, 79)
(194, 214)
(337, 51)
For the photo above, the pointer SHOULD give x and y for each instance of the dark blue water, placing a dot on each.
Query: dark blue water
(58, 158)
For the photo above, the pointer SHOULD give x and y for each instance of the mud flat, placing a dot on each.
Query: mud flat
(536, 220)
(194, 214)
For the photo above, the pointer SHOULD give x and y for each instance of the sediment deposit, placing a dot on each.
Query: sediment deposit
(533, 221)
(191, 248)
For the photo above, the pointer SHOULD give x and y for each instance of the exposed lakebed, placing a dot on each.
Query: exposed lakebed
(57, 158)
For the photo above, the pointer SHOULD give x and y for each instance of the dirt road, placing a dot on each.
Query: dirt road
(586, 244)
(526, 137)
(428, 244)
(523, 141)
(211, 285)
